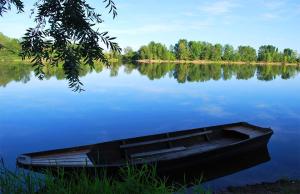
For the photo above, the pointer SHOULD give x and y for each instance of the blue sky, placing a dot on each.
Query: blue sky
(238, 22)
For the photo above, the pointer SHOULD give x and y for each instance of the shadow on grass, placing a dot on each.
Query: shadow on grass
(131, 180)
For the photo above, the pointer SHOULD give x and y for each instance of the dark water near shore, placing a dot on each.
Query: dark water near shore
(132, 100)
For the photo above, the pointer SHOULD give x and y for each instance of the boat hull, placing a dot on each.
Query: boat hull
(179, 162)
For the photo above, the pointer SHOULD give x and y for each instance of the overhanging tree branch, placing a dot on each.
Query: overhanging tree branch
(6, 5)
(65, 33)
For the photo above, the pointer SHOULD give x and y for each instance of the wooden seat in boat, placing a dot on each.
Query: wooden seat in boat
(131, 145)
(157, 152)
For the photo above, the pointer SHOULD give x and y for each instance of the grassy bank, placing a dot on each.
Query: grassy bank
(133, 181)
(215, 62)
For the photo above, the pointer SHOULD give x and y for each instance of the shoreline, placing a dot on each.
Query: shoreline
(203, 62)
(198, 62)
(279, 186)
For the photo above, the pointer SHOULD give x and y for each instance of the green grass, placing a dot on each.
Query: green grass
(132, 180)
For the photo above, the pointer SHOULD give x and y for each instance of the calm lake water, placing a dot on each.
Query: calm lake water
(133, 100)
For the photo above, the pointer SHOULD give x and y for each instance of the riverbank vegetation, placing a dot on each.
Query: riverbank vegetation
(198, 51)
(9, 48)
(132, 180)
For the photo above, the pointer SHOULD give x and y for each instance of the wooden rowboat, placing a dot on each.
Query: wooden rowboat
(167, 150)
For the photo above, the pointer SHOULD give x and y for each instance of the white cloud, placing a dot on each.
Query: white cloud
(220, 7)
(298, 9)
(274, 4)
(293, 114)
(262, 105)
(279, 10)
(163, 27)
(148, 28)
(213, 110)
(265, 115)
(123, 5)
(189, 14)
(273, 8)
(270, 16)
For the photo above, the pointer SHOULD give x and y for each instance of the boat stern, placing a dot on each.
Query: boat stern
(24, 160)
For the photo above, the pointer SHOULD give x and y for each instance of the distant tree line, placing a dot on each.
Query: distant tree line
(182, 50)
(270, 53)
(199, 50)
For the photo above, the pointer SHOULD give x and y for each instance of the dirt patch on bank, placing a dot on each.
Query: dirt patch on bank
(278, 187)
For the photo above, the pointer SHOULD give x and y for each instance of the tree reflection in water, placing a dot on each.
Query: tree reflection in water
(21, 72)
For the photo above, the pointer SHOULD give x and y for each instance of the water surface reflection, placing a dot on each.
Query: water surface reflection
(140, 99)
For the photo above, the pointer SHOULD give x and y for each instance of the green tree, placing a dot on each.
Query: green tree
(65, 32)
(237, 56)
(206, 51)
(268, 53)
(113, 55)
(247, 53)
(228, 53)
(289, 55)
(162, 52)
(9, 47)
(182, 50)
(129, 54)
(216, 53)
(9, 43)
(155, 51)
(144, 53)
(195, 48)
